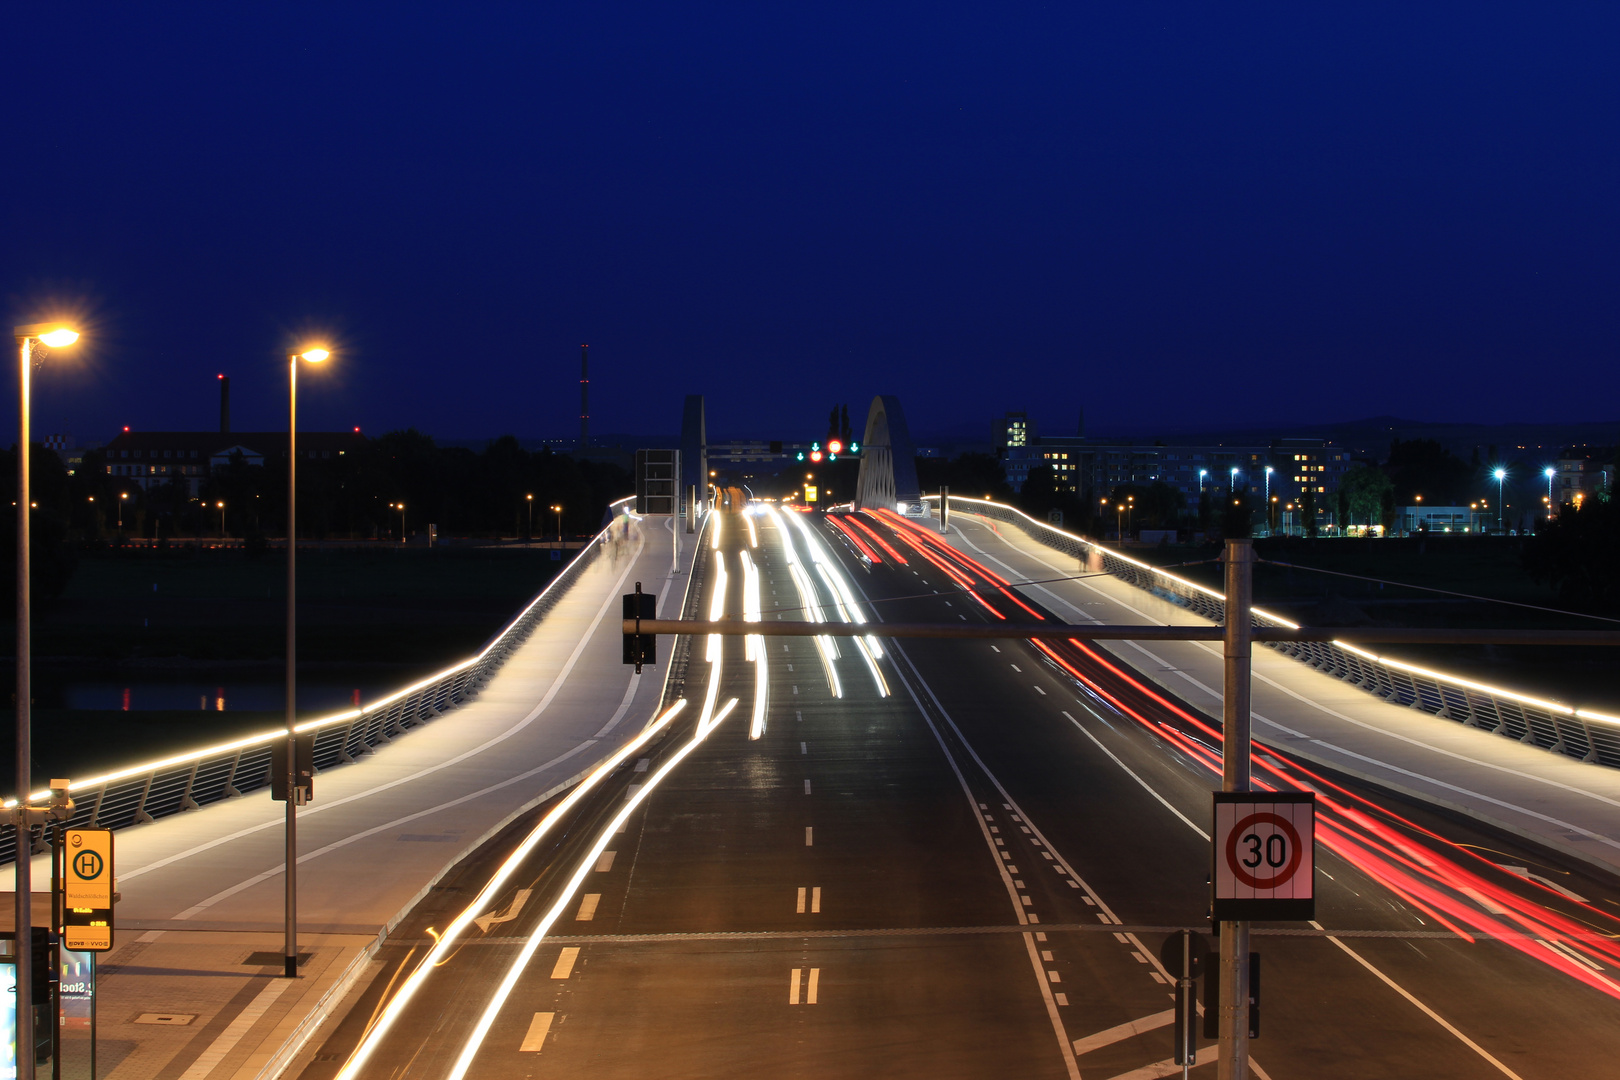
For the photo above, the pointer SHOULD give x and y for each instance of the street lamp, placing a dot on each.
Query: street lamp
(1201, 474)
(401, 508)
(1130, 510)
(558, 511)
(1232, 484)
(1549, 472)
(55, 336)
(221, 506)
(527, 539)
(1501, 476)
(295, 793)
(123, 497)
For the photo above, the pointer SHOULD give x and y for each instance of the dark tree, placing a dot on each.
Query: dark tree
(1578, 553)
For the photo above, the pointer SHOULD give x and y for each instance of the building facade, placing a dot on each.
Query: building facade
(149, 459)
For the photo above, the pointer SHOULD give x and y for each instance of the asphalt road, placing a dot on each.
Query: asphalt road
(969, 875)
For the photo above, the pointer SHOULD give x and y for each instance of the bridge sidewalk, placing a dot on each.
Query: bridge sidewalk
(202, 892)
(1548, 799)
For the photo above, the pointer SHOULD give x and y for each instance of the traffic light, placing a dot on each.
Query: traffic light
(640, 648)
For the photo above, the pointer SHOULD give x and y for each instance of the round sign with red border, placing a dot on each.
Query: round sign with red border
(1251, 867)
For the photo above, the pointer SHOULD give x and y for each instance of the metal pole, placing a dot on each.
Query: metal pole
(1233, 1052)
(944, 508)
(290, 950)
(23, 926)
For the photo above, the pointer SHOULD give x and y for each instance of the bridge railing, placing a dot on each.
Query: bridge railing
(189, 781)
(1578, 733)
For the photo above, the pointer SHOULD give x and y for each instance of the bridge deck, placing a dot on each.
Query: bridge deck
(1549, 799)
(203, 890)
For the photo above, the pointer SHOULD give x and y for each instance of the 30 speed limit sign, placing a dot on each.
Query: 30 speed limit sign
(1265, 847)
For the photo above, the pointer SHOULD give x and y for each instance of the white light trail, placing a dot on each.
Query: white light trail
(585, 866)
(755, 646)
(486, 895)
(809, 600)
(717, 601)
(748, 519)
(844, 601)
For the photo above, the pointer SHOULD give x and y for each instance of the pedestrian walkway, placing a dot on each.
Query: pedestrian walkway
(190, 991)
(1548, 799)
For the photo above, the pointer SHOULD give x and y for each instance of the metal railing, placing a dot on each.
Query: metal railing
(190, 781)
(1575, 732)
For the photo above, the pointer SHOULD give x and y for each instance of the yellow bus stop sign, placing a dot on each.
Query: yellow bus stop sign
(87, 889)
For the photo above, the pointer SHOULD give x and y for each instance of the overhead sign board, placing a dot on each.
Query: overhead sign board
(1265, 855)
(810, 493)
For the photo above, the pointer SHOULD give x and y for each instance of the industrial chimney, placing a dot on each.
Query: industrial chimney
(584, 396)
(224, 404)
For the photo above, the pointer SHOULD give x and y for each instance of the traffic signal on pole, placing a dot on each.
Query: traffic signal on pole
(640, 648)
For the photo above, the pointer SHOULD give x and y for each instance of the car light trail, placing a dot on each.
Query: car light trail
(882, 543)
(748, 519)
(841, 593)
(808, 601)
(911, 529)
(586, 864)
(1444, 880)
(860, 545)
(754, 646)
(486, 896)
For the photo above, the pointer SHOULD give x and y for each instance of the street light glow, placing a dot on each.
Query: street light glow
(59, 338)
(1500, 474)
(315, 356)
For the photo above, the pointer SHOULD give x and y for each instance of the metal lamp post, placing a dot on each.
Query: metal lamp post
(221, 506)
(529, 537)
(290, 949)
(123, 497)
(1269, 471)
(1549, 472)
(56, 336)
(558, 511)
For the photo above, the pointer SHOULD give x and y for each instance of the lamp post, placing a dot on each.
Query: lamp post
(1231, 485)
(1269, 471)
(1501, 477)
(1130, 511)
(1549, 472)
(55, 336)
(401, 508)
(290, 948)
(221, 506)
(529, 537)
(558, 511)
(123, 497)
(1201, 474)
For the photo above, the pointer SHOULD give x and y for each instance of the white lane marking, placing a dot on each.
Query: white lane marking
(535, 1038)
(796, 690)
(793, 987)
(1041, 692)
(1160, 1069)
(1032, 917)
(624, 706)
(1185, 820)
(815, 900)
(641, 766)
(624, 826)
(810, 989)
(804, 748)
(1432, 1015)
(587, 907)
(540, 707)
(605, 863)
(1053, 977)
(800, 909)
(807, 787)
(797, 715)
(1016, 668)
(809, 836)
(564, 966)
(1062, 999)
(233, 1033)
(994, 649)
(1046, 954)
(1138, 957)
(506, 914)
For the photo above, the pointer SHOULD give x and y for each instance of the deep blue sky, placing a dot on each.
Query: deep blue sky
(1190, 214)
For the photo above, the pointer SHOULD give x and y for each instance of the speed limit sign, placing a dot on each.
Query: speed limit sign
(1265, 847)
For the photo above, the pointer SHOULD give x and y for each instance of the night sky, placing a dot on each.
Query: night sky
(1168, 215)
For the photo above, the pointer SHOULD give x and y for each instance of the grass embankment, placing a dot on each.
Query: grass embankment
(1480, 566)
(393, 615)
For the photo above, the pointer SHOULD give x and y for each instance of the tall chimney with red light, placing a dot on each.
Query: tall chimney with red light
(584, 396)
(224, 404)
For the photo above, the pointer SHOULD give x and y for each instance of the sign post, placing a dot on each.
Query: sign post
(1183, 955)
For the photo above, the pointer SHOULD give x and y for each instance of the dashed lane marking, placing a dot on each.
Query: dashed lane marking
(535, 1038)
(565, 963)
(807, 787)
(587, 907)
(605, 862)
(809, 836)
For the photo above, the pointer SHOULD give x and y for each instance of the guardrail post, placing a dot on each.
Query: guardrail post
(186, 801)
(141, 816)
(230, 779)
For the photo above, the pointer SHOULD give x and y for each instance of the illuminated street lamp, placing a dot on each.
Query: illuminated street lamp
(221, 507)
(401, 508)
(558, 511)
(54, 336)
(1549, 472)
(1201, 474)
(294, 790)
(1501, 477)
(123, 497)
(528, 538)
(1232, 484)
